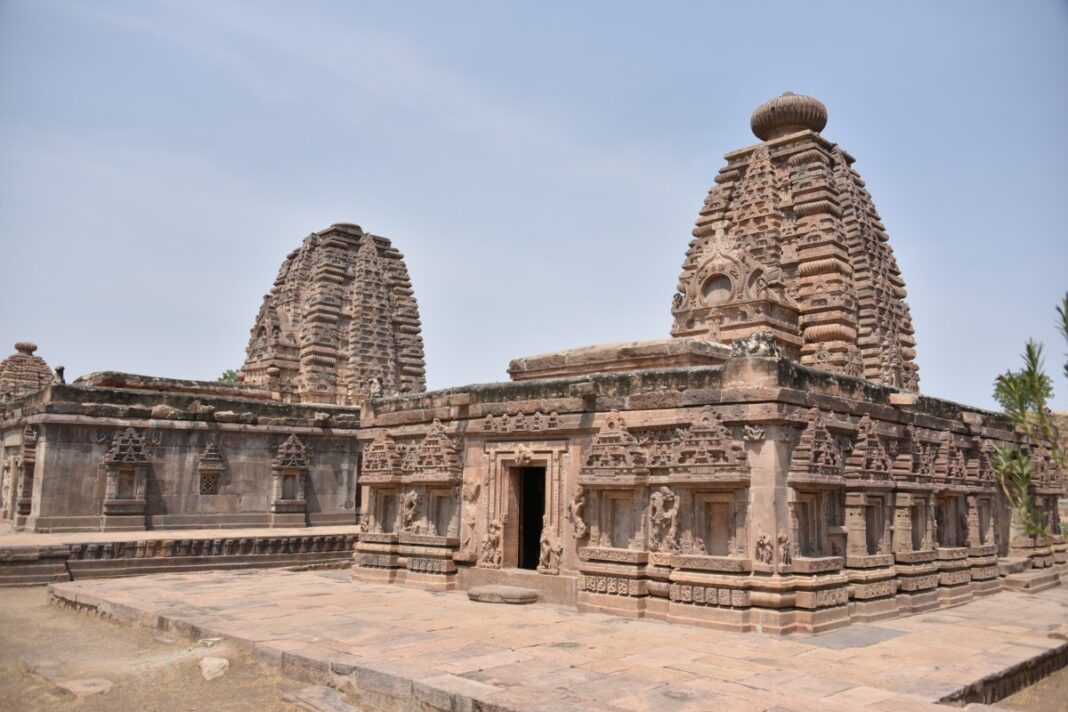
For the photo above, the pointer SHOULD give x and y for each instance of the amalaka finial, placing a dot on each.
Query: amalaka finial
(25, 347)
(788, 114)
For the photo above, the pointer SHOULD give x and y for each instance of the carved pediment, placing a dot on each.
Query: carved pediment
(707, 447)
(949, 461)
(128, 448)
(869, 459)
(1045, 473)
(614, 452)
(210, 460)
(435, 458)
(817, 455)
(292, 455)
(381, 459)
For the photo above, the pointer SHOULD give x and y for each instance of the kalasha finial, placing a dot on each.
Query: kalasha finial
(788, 114)
(25, 347)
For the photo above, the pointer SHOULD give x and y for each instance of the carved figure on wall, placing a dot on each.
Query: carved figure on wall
(574, 512)
(753, 433)
(664, 514)
(374, 388)
(523, 455)
(765, 552)
(491, 546)
(551, 550)
(471, 490)
(409, 508)
(785, 555)
(365, 521)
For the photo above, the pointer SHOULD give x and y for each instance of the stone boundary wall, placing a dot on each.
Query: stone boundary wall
(32, 565)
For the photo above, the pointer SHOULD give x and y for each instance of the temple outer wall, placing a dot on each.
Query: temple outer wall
(192, 462)
(757, 495)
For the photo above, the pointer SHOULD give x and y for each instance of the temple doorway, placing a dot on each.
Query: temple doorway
(528, 488)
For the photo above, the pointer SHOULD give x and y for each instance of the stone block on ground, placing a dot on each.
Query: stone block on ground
(503, 594)
(212, 667)
(319, 698)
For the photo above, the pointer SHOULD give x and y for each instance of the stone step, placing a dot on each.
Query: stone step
(560, 588)
(1032, 581)
(1015, 565)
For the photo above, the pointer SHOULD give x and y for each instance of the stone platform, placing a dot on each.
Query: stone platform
(28, 558)
(396, 648)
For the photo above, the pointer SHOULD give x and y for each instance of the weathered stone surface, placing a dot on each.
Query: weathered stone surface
(502, 594)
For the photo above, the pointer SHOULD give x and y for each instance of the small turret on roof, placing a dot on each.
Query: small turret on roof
(23, 372)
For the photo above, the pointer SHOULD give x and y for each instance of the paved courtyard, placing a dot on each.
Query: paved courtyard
(388, 643)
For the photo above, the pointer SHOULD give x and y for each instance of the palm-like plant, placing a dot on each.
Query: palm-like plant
(1024, 396)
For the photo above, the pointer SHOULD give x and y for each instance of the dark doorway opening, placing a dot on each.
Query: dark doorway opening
(531, 493)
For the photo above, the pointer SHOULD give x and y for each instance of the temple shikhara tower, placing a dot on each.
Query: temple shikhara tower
(340, 324)
(788, 241)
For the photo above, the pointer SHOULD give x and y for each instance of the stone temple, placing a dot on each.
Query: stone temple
(769, 466)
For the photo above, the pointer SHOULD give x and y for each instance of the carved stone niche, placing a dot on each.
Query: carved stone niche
(289, 471)
(126, 465)
(210, 470)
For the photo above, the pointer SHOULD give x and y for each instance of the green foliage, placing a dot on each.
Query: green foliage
(1013, 470)
(1024, 396)
(229, 377)
(1062, 326)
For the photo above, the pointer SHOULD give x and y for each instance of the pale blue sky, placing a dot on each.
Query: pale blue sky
(539, 164)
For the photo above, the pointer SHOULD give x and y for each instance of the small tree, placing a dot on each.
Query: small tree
(1024, 396)
(229, 376)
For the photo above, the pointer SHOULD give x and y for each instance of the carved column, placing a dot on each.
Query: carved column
(856, 525)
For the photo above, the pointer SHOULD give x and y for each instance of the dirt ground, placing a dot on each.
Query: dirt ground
(149, 670)
(159, 672)
(1047, 695)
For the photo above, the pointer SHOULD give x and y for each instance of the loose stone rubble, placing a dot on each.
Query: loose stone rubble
(770, 466)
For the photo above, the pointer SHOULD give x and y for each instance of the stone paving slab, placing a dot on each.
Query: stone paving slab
(391, 647)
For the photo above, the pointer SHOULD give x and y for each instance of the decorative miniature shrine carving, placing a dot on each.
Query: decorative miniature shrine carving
(869, 458)
(435, 459)
(614, 453)
(816, 455)
(210, 469)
